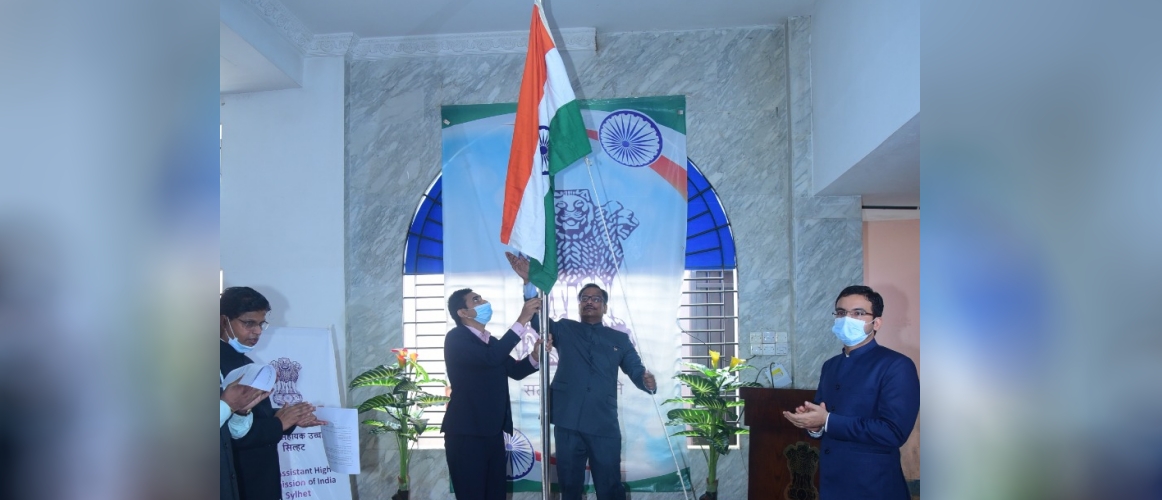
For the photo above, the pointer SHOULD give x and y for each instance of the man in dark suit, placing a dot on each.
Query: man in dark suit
(479, 367)
(234, 406)
(242, 320)
(583, 393)
(865, 407)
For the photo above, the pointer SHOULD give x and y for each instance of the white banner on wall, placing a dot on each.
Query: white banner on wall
(621, 223)
(304, 359)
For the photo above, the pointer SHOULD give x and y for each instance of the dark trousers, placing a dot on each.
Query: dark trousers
(604, 456)
(477, 466)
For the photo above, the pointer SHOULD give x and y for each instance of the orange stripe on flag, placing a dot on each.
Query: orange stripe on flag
(525, 134)
(672, 173)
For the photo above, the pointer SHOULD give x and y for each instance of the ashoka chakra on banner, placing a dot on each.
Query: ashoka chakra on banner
(519, 452)
(630, 138)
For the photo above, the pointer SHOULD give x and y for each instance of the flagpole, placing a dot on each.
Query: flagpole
(546, 487)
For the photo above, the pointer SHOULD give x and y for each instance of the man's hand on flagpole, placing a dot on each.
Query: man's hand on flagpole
(548, 343)
(531, 308)
(520, 265)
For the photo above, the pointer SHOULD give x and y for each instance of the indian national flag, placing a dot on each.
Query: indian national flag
(547, 137)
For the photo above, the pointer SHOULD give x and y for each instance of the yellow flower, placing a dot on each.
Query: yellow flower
(714, 355)
(734, 361)
(401, 356)
(414, 356)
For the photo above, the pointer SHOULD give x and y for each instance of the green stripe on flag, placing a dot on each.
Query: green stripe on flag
(568, 140)
(544, 276)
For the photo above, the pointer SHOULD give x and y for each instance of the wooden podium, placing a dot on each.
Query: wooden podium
(772, 437)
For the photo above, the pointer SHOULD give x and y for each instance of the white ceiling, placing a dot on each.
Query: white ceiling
(242, 68)
(379, 18)
(889, 175)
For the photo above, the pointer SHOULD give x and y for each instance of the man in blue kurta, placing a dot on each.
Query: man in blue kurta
(865, 407)
(583, 404)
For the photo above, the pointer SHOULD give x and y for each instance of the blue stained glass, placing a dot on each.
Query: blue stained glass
(424, 251)
(709, 240)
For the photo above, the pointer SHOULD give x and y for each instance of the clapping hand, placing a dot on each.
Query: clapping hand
(808, 416)
(241, 398)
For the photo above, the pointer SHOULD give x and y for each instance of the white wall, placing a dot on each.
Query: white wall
(282, 197)
(865, 71)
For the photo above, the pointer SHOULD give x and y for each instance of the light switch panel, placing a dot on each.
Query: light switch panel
(768, 337)
(768, 349)
(781, 337)
(756, 337)
(781, 349)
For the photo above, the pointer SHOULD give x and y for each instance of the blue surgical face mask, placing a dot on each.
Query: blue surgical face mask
(238, 346)
(483, 313)
(849, 330)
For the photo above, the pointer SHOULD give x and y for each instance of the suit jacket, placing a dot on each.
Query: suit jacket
(873, 396)
(479, 374)
(256, 453)
(227, 478)
(584, 388)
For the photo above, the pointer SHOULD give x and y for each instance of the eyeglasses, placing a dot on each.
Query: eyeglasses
(249, 323)
(596, 299)
(854, 313)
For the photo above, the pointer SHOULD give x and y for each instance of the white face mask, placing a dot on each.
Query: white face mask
(849, 331)
(238, 346)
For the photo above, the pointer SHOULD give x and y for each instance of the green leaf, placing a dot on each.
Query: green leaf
(422, 374)
(435, 381)
(712, 403)
(696, 366)
(406, 386)
(740, 367)
(420, 426)
(691, 416)
(687, 433)
(381, 426)
(685, 401)
(432, 400)
(382, 375)
(705, 370)
(750, 384)
(700, 386)
(735, 404)
(739, 430)
(380, 401)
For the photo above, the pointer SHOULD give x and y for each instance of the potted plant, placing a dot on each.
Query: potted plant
(710, 416)
(403, 404)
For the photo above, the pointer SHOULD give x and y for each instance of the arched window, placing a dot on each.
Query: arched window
(709, 307)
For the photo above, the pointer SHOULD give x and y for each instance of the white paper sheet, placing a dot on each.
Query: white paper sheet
(341, 438)
(261, 377)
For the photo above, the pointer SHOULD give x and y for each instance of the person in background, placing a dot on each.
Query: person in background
(479, 366)
(865, 407)
(241, 322)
